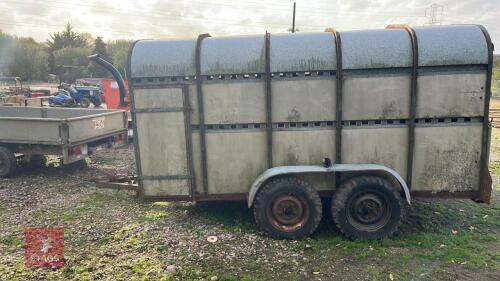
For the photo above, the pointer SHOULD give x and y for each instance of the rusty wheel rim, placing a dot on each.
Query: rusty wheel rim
(288, 212)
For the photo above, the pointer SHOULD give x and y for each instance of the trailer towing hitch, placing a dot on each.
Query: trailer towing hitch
(112, 180)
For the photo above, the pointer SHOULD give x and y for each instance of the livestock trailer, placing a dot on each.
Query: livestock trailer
(368, 118)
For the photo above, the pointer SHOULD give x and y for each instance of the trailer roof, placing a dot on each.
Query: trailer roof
(451, 45)
(365, 49)
(381, 48)
(163, 58)
(233, 55)
(303, 52)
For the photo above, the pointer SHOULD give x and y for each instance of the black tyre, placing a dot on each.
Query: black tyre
(287, 208)
(38, 160)
(84, 102)
(97, 101)
(80, 164)
(367, 207)
(7, 162)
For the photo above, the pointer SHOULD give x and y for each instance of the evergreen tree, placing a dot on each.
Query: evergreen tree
(67, 38)
(99, 48)
(118, 52)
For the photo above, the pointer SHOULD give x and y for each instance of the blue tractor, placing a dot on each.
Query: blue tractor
(70, 96)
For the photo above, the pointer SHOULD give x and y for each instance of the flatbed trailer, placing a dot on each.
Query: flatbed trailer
(69, 133)
(368, 118)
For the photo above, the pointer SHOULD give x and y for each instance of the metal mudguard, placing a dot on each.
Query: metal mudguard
(305, 169)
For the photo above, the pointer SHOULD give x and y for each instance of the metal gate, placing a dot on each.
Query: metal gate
(163, 141)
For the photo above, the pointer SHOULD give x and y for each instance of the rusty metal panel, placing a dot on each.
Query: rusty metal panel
(304, 100)
(451, 45)
(376, 97)
(447, 158)
(303, 147)
(233, 55)
(163, 58)
(384, 48)
(234, 102)
(376, 145)
(235, 159)
(450, 95)
(302, 52)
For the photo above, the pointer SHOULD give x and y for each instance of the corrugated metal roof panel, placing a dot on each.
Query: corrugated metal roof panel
(163, 58)
(376, 49)
(233, 55)
(303, 52)
(451, 45)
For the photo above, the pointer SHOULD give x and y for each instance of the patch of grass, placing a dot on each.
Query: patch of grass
(447, 234)
(376, 272)
(231, 277)
(102, 198)
(141, 265)
(147, 268)
(495, 83)
(495, 141)
(233, 216)
(125, 232)
(495, 167)
(162, 204)
(57, 216)
(155, 215)
(12, 240)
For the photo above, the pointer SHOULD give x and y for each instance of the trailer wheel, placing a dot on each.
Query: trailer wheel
(287, 208)
(367, 207)
(7, 162)
(97, 101)
(84, 102)
(38, 160)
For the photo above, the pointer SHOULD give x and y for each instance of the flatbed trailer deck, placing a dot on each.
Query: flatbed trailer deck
(69, 133)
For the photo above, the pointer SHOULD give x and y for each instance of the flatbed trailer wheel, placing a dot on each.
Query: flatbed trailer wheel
(97, 101)
(287, 208)
(367, 207)
(38, 160)
(7, 162)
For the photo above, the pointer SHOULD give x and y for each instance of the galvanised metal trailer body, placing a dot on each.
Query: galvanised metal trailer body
(253, 117)
(70, 133)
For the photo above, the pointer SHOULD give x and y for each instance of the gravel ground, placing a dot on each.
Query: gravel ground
(112, 235)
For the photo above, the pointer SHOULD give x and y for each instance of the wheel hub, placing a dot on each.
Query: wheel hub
(369, 208)
(288, 212)
(369, 211)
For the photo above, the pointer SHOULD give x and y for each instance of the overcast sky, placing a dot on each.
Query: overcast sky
(139, 19)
